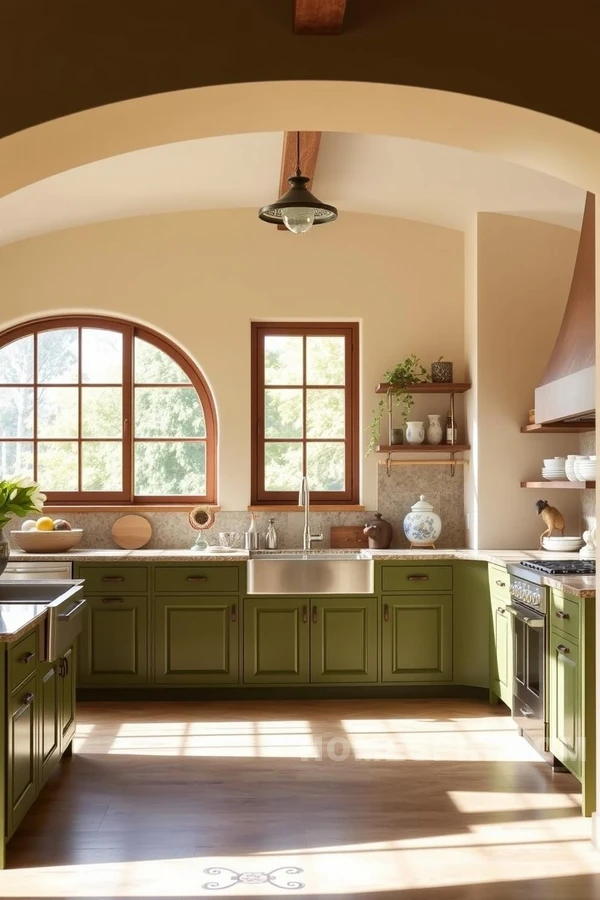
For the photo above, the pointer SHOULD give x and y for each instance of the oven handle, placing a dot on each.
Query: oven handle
(530, 621)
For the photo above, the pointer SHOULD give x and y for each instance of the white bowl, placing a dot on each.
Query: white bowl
(47, 541)
(556, 461)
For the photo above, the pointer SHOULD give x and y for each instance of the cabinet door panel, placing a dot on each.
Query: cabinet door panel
(501, 653)
(67, 698)
(22, 781)
(417, 638)
(196, 640)
(276, 640)
(565, 712)
(113, 647)
(343, 640)
(50, 718)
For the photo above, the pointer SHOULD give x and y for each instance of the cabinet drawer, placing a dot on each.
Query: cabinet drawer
(193, 579)
(416, 578)
(499, 582)
(114, 579)
(564, 614)
(23, 659)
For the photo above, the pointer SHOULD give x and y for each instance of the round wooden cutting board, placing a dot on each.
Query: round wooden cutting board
(131, 532)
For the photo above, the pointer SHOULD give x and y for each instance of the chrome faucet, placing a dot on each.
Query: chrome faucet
(304, 500)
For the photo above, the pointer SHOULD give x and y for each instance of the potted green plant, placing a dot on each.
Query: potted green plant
(399, 379)
(18, 496)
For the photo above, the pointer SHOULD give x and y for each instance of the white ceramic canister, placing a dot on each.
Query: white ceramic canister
(434, 430)
(422, 526)
(570, 467)
(415, 432)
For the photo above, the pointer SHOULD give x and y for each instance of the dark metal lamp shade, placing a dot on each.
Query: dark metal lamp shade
(300, 198)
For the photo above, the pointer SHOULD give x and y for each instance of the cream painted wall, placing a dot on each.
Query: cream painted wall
(201, 277)
(523, 270)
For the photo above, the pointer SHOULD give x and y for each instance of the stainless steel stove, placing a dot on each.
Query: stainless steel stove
(528, 607)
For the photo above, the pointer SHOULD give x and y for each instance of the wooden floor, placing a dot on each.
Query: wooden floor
(411, 800)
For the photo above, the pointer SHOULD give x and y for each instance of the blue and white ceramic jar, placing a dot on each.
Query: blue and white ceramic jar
(422, 526)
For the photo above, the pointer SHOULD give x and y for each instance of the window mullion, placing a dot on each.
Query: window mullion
(35, 406)
(128, 380)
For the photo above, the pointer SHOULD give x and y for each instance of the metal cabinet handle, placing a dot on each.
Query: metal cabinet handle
(562, 615)
(112, 578)
(112, 600)
(196, 578)
(27, 699)
(314, 615)
(386, 613)
(27, 657)
(418, 578)
(72, 611)
(233, 612)
(525, 712)
(61, 668)
(305, 614)
(562, 649)
(500, 583)
(501, 610)
(66, 662)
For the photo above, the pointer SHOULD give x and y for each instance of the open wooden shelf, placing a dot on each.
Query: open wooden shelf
(559, 428)
(561, 485)
(427, 387)
(422, 448)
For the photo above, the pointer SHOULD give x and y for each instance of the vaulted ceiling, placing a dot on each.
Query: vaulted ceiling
(357, 173)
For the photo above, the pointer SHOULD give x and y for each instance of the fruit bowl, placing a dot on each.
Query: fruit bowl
(47, 541)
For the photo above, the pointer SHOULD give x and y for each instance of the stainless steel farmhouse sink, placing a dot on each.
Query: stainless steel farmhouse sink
(305, 573)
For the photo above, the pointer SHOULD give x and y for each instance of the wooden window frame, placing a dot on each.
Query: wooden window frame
(130, 331)
(350, 331)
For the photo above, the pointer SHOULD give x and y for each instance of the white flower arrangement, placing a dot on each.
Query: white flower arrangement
(19, 496)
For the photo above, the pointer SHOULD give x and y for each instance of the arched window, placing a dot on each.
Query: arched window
(102, 411)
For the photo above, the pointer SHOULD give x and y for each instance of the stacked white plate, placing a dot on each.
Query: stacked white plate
(554, 469)
(585, 468)
(562, 543)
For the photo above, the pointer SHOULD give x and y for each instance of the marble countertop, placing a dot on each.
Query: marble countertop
(18, 618)
(579, 585)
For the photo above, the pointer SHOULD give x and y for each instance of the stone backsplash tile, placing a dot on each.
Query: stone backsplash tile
(171, 530)
(587, 447)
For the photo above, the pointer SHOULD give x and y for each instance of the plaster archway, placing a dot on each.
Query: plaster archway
(522, 136)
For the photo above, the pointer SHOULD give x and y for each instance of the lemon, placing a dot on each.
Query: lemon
(45, 524)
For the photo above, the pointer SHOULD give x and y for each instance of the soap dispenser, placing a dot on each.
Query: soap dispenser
(271, 536)
(251, 537)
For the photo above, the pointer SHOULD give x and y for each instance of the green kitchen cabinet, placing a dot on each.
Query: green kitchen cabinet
(50, 689)
(343, 640)
(565, 701)
(571, 690)
(276, 640)
(196, 639)
(501, 650)
(113, 645)
(22, 778)
(416, 644)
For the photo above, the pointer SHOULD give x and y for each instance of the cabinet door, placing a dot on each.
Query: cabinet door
(417, 638)
(113, 646)
(50, 733)
(196, 640)
(276, 640)
(22, 752)
(565, 713)
(343, 644)
(501, 675)
(67, 698)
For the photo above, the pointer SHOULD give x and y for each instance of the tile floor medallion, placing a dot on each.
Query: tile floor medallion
(279, 878)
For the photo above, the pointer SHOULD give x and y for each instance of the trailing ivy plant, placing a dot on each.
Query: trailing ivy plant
(401, 377)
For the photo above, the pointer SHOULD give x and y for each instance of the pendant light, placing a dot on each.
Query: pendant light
(298, 209)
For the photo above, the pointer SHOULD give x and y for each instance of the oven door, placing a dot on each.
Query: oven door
(529, 654)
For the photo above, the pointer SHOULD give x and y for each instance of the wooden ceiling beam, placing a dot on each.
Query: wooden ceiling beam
(309, 152)
(319, 16)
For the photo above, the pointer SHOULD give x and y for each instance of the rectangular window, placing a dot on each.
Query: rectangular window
(305, 412)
